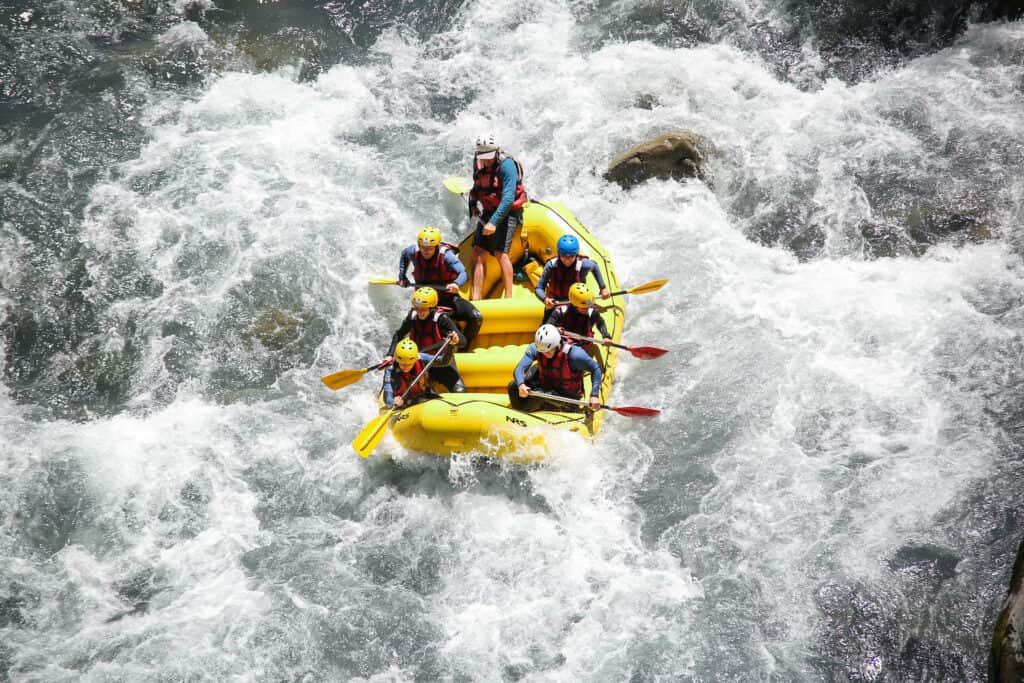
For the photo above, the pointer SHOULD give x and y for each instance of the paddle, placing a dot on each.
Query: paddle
(457, 185)
(645, 288)
(461, 187)
(642, 352)
(628, 411)
(386, 281)
(368, 439)
(345, 377)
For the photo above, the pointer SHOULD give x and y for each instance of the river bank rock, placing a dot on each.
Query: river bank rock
(1007, 659)
(677, 155)
(995, 10)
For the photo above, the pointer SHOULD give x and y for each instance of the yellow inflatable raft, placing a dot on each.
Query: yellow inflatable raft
(481, 420)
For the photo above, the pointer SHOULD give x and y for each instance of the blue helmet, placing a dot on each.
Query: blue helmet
(568, 245)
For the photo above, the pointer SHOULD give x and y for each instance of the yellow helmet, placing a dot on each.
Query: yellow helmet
(424, 296)
(407, 351)
(580, 295)
(429, 237)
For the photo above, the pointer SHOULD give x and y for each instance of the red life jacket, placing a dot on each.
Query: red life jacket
(405, 379)
(580, 323)
(557, 376)
(425, 332)
(433, 271)
(563, 278)
(487, 184)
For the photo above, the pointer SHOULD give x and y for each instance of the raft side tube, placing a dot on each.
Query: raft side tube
(501, 316)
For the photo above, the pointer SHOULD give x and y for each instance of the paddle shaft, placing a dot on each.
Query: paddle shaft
(562, 399)
(642, 352)
(424, 370)
(628, 411)
(343, 378)
(385, 281)
(580, 337)
(645, 288)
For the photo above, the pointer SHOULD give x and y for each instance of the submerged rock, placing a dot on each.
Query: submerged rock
(1007, 661)
(911, 230)
(646, 101)
(677, 155)
(275, 329)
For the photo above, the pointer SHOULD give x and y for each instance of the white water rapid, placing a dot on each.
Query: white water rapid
(828, 494)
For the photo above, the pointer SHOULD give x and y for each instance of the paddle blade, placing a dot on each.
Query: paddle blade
(646, 352)
(382, 281)
(342, 379)
(368, 439)
(635, 411)
(648, 287)
(457, 185)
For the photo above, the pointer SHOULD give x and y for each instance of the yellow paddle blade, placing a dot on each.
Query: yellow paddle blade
(382, 281)
(457, 185)
(342, 379)
(368, 439)
(647, 287)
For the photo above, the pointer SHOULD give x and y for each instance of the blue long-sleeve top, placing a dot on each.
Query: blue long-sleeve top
(589, 266)
(579, 360)
(509, 175)
(451, 259)
(389, 388)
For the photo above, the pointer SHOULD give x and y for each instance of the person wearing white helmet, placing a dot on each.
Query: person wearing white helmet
(497, 199)
(554, 367)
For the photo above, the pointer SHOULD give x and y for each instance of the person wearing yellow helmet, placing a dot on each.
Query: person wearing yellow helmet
(580, 316)
(556, 367)
(396, 380)
(435, 263)
(428, 328)
(424, 298)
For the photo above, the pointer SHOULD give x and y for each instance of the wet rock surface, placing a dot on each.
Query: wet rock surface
(677, 155)
(1007, 663)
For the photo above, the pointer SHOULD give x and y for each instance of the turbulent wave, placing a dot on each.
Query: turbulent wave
(194, 195)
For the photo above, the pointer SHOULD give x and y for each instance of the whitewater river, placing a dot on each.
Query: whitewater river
(192, 199)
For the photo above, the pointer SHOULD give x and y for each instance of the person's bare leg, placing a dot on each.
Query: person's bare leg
(506, 273)
(478, 273)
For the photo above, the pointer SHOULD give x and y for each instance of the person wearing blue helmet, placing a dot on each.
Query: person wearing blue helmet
(563, 271)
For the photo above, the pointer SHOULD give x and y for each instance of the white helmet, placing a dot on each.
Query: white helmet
(547, 338)
(485, 144)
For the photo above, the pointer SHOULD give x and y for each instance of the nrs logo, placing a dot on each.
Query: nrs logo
(515, 420)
